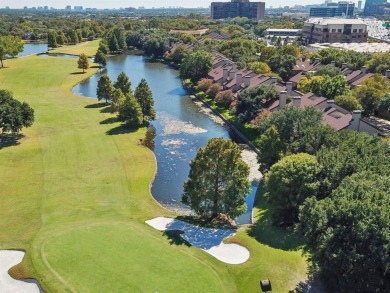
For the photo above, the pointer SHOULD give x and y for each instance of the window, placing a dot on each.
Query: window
(359, 36)
(327, 36)
(333, 30)
(360, 30)
(353, 37)
(339, 30)
(355, 30)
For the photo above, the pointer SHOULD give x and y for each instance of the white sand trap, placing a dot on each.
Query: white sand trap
(208, 239)
(230, 253)
(8, 259)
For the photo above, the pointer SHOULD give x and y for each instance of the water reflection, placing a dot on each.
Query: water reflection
(150, 135)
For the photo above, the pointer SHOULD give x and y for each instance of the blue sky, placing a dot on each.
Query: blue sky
(137, 3)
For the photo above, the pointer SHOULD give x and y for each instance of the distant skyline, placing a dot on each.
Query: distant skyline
(137, 3)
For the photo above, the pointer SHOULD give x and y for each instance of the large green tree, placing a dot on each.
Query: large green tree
(130, 112)
(252, 100)
(371, 92)
(144, 97)
(282, 65)
(196, 65)
(83, 62)
(52, 37)
(288, 183)
(14, 115)
(218, 181)
(350, 153)
(100, 58)
(9, 46)
(123, 83)
(348, 235)
(104, 88)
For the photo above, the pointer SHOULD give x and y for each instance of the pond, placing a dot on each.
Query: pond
(30, 49)
(180, 128)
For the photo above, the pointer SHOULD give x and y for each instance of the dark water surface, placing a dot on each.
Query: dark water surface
(180, 128)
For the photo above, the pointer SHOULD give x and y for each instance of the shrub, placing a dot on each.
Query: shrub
(224, 98)
(213, 90)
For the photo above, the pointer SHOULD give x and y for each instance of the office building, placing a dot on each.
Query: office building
(334, 30)
(237, 8)
(78, 8)
(360, 4)
(342, 8)
(374, 7)
(68, 7)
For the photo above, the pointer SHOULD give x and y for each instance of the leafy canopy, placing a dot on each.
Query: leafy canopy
(218, 181)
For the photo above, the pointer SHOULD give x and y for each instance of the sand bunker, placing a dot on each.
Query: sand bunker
(207, 239)
(8, 259)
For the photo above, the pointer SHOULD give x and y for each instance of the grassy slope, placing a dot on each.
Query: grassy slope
(88, 48)
(74, 196)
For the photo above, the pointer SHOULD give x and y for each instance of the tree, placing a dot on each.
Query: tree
(100, 58)
(103, 47)
(123, 83)
(326, 86)
(117, 100)
(14, 115)
(288, 183)
(371, 92)
(351, 152)
(9, 46)
(120, 37)
(384, 103)
(204, 84)
(218, 181)
(252, 100)
(104, 88)
(271, 148)
(282, 64)
(329, 70)
(130, 112)
(379, 63)
(196, 65)
(144, 97)
(348, 102)
(213, 90)
(52, 39)
(178, 54)
(260, 67)
(73, 37)
(83, 62)
(348, 235)
(113, 44)
(156, 45)
(224, 98)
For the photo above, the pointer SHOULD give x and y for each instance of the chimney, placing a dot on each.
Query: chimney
(239, 80)
(232, 74)
(355, 122)
(363, 69)
(247, 81)
(289, 87)
(273, 80)
(225, 74)
(388, 73)
(333, 63)
(329, 103)
(344, 65)
(297, 101)
(282, 99)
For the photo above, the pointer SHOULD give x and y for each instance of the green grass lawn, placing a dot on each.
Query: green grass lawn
(89, 48)
(74, 193)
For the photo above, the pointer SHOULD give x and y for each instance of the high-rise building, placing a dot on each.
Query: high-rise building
(360, 4)
(342, 8)
(68, 7)
(235, 8)
(374, 7)
(78, 8)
